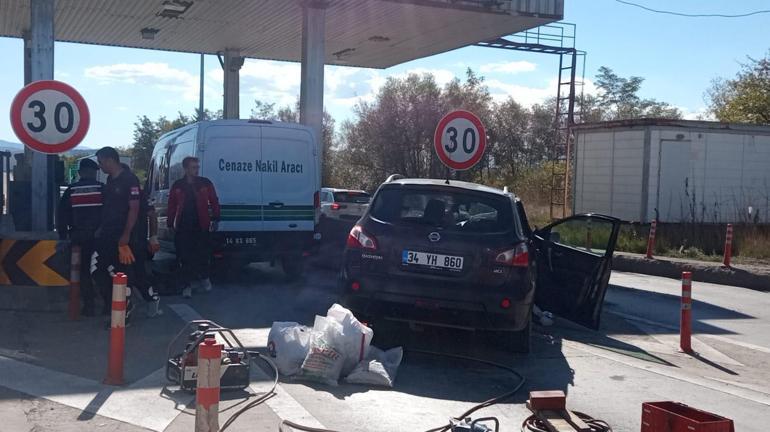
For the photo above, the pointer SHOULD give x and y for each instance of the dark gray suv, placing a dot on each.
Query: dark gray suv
(462, 255)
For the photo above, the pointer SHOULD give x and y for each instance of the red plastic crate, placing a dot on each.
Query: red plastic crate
(677, 417)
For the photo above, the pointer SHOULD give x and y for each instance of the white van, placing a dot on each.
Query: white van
(267, 177)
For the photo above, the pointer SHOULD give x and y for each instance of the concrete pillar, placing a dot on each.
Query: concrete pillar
(41, 41)
(232, 66)
(311, 98)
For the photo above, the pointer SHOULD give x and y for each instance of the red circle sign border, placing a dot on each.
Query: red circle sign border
(27, 139)
(482, 140)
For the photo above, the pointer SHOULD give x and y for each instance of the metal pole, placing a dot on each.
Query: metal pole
(311, 99)
(232, 66)
(200, 95)
(41, 68)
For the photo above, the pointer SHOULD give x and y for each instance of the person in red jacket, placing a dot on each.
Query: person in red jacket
(189, 219)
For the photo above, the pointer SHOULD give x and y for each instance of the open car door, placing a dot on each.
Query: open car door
(574, 259)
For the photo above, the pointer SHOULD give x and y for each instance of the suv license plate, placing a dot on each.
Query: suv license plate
(432, 260)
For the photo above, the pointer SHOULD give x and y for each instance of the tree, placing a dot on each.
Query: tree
(263, 111)
(745, 98)
(147, 133)
(508, 129)
(618, 99)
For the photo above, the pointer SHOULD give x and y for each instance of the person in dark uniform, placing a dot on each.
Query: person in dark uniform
(189, 219)
(121, 239)
(78, 215)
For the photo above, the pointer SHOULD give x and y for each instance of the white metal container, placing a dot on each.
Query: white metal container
(686, 171)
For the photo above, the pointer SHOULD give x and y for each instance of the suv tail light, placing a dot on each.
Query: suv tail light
(516, 257)
(335, 206)
(359, 239)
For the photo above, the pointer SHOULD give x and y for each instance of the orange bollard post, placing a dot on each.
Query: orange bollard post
(651, 239)
(117, 331)
(728, 246)
(685, 323)
(207, 389)
(73, 311)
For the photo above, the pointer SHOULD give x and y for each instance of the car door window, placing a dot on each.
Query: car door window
(586, 234)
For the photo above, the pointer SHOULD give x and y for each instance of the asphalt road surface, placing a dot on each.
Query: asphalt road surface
(50, 369)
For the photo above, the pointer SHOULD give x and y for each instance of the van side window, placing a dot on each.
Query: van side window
(162, 171)
(178, 152)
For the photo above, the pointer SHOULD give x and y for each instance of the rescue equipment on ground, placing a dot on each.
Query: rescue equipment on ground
(182, 365)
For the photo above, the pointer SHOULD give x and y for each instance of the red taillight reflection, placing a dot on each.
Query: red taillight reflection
(355, 286)
(358, 239)
(516, 257)
(505, 303)
(335, 206)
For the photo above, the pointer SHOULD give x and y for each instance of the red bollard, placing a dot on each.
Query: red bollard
(117, 331)
(207, 389)
(73, 311)
(651, 239)
(728, 246)
(685, 323)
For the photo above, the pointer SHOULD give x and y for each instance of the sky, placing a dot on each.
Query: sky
(677, 56)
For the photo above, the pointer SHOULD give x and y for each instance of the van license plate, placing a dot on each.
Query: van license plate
(432, 260)
(241, 241)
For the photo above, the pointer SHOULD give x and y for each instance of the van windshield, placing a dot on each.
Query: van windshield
(451, 210)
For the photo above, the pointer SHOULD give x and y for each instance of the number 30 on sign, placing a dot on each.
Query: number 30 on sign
(49, 116)
(460, 140)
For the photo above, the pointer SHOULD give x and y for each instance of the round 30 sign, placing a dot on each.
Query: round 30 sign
(49, 116)
(460, 140)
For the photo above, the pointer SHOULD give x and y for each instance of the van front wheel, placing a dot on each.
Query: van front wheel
(293, 266)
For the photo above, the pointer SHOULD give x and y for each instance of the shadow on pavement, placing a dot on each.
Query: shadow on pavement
(666, 309)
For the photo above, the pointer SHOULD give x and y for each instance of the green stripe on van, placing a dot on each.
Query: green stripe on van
(255, 213)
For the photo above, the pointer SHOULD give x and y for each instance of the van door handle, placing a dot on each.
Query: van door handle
(276, 204)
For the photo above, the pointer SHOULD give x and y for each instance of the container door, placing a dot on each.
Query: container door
(289, 182)
(230, 154)
(675, 187)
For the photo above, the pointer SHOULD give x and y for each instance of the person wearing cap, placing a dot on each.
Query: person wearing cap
(78, 215)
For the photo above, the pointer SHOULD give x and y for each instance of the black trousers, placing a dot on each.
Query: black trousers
(105, 264)
(193, 250)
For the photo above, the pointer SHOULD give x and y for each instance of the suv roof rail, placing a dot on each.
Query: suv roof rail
(394, 177)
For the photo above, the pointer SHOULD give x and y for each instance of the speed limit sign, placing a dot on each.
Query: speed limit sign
(49, 116)
(460, 140)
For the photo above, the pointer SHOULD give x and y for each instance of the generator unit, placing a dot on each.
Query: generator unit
(182, 364)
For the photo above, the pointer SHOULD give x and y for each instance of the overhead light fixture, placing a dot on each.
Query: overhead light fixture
(174, 8)
(149, 33)
(343, 54)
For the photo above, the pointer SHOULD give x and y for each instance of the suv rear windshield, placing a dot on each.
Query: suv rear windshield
(452, 210)
(352, 197)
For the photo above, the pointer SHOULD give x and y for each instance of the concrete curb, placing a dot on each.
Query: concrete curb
(752, 277)
(34, 298)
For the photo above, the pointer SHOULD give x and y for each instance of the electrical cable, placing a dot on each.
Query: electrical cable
(300, 427)
(443, 428)
(693, 15)
(534, 424)
(261, 399)
(484, 404)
